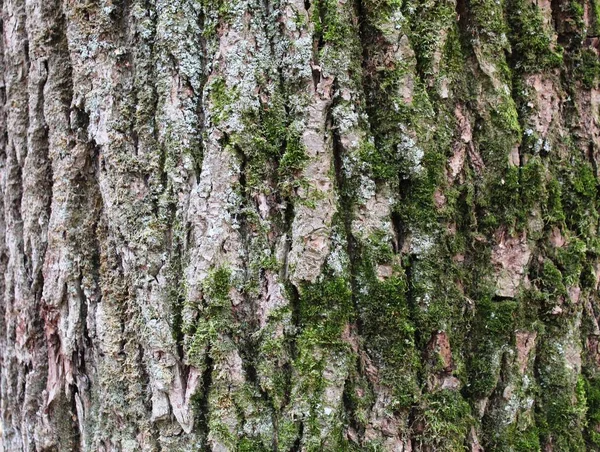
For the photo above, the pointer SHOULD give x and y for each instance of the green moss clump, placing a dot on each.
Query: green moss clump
(217, 6)
(552, 208)
(292, 162)
(596, 13)
(359, 399)
(560, 419)
(272, 149)
(571, 260)
(221, 97)
(586, 68)
(489, 16)
(379, 249)
(246, 445)
(453, 61)
(443, 421)
(505, 116)
(328, 23)
(584, 181)
(494, 325)
(552, 279)
(560, 410)
(532, 48)
(527, 440)
(579, 191)
(325, 308)
(378, 161)
(218, 285)
(417, 207)
(497, 134)
(491, 31)
(274, 357)
(576, 11)
(592, 395)
(532, 183)
(429, 20)
(215, 319)
(381, 12)
(389, 336)
(511, 195)
(504, 201)
(214, 12)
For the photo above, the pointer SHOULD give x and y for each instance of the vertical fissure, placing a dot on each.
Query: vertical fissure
(346, 210)
(202, 411)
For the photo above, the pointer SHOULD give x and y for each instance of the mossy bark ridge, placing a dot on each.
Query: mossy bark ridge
(300, 225)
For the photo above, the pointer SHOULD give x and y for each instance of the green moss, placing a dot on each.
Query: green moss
(386, 318)
(378, 248)
(429, 20)
(417, 205)
(498, 318)
(272, 149)
(214, 12)
(497, 133)
(271, 368)
(325, 308)
(494, 326)
(505, 116)
(218, 6)
(596, 15)
(176, 299)
(560, 422)
(389, 336)
(292, 162)
(216, 426)
(572, 24)
(491, 31)
(287, 433)
(592, 394)
(552, 279)
(328, 23)
(511, 195)
(489, 16)
(221, 97)
(217, 286)
(443, 421)
(378, 161)
(532, 47)
(531, 183)
(359, 399)
(215, 320)
(571, 260)
(584, 181)
(453, 65)
(381, 12)
(527, 440)
(552, 208)
(561, 402)
(504, 203)
(579, 191)
(402, 131)
(484, 369)
(251, 445)
(438, 301)
(576, 9)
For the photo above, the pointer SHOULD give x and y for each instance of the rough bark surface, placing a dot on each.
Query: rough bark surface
(300, 225)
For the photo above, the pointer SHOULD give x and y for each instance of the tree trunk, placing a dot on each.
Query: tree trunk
(300, 225)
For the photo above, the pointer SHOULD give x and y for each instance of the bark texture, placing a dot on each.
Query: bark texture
(300, 225)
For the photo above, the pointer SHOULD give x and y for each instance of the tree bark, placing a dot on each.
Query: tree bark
(300, 225)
